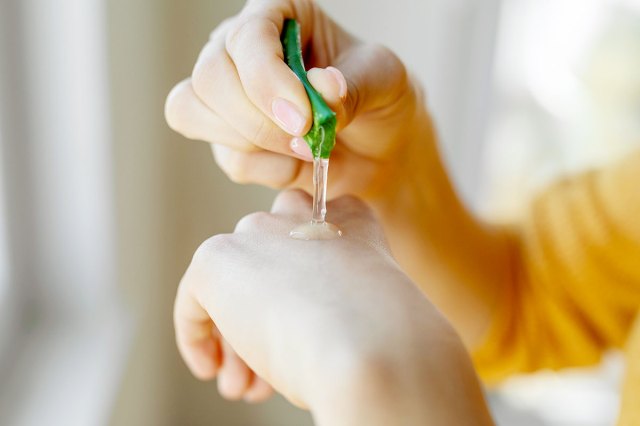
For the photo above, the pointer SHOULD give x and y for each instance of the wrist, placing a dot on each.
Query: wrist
(368, 389)
(456, 259)
(406, 386)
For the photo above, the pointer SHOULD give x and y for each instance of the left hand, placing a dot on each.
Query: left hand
(334, 326)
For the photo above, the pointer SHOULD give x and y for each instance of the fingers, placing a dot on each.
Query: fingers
(375, 77)
(207, 355)
(332, 85)
(216, 83)
(349, 173)
(241, 77)
(301, 149)
(196, 336)
(188, 115)
(237, 381)
(255, 48)
(234, 377)
(378, 90)
(258, 391)
(263, 167)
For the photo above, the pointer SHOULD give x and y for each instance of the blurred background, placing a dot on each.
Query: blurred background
(101, 205)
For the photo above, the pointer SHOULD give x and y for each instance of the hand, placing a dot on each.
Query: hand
(244, 99)
(334, 326)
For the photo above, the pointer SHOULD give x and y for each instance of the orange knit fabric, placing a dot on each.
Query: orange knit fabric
(576, 285)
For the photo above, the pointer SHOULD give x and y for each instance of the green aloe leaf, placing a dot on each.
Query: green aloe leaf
(322, 135)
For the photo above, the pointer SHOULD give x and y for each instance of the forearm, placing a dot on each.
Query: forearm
(439, 388)
(460, 262)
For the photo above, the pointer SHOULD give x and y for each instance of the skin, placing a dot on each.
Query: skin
(386, 151)
(240, 76)
(386, 154)
(356, 343)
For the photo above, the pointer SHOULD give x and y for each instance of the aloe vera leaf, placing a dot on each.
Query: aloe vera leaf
(321, 138)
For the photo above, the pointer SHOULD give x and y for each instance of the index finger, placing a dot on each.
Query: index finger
(255, 48)
(197, 338)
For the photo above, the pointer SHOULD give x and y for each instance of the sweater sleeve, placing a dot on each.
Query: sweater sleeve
(575, 287)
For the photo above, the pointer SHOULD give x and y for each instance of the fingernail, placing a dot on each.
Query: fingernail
(342, 82)
(300, 147)
(288, 116)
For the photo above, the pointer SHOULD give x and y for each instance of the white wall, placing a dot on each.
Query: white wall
(448, 45)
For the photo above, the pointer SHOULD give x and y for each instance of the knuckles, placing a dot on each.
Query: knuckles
(222, 28)
(236, 33)
(203, 75)
(242, 167)
(247, 31)
(210, 70)
(292, 199)
(218, 62)
(255, 222)
(218, 249)
(264, 134)
(214, 248)
(393, 67)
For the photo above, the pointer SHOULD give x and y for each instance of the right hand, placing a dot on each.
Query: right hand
(335, 326)
(244, 99)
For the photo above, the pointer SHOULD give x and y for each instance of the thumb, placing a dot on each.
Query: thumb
(332, 85)
(364, 78)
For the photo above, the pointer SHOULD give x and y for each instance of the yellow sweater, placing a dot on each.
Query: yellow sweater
(576, 289)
